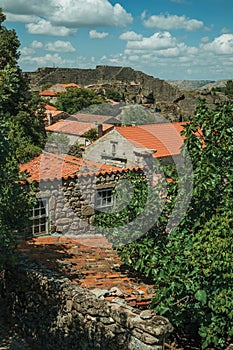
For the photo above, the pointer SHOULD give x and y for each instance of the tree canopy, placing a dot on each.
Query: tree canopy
(16, 103)
(75, 99)
(21, 136)
(192, 265)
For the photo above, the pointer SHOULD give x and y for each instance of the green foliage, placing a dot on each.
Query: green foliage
(14, 202)
(135, 205)
(75, 99)
(16, 103)
(192, 266)
(113, 95)
(91, 135)
(227, 90)
(76, 150)
(22, 135)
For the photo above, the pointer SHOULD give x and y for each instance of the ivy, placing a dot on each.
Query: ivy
(191, 265)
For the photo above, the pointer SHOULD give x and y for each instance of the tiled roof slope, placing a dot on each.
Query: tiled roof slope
(49, 166)
(164, 138)
(47, 93)
(73, 127)
(50, 108)
(94, 118)
(90, 262)
(169, 135)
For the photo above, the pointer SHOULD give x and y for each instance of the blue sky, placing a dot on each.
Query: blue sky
(168, 39)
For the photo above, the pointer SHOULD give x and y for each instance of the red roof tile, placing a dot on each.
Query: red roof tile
(164, 138)
(50, 108)
(89, 262)
(48, 167)
(70, 85)
(48, 93)
(73, 127)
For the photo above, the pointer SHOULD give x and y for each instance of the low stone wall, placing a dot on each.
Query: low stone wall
(52, 313)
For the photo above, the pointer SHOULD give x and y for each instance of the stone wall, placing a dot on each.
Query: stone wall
(71, 202)
(52, 313)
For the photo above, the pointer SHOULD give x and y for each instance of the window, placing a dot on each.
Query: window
(104, 199)
(39, 218)
(113, 149)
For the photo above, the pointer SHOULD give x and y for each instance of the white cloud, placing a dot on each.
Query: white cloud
(89, 13)
(26, 51)
(222, 45)
(205, 39)
(158, 41)
(44, 27)
(11, 17)
(168, 22)
(225, 30)
(46, 60)
(93, 34)
(60, 46)
(71, 13)
(36, 44)
(131, 36)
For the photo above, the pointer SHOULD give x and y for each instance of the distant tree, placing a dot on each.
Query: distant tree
(75, 99)
(76, 150)
(91, 135)
(229, 88)
(113, 95)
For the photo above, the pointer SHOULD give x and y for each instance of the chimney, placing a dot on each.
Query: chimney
(100, 130)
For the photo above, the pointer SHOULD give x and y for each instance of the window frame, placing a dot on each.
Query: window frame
(39, 219)
(104, 199)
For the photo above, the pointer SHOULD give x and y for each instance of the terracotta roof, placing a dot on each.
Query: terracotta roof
(69, 85)
(90, 262)
(50, 108)
(48, 93)
(53, 113)
(169, 135)
(73, 127)
(49, 166)
(164, 138)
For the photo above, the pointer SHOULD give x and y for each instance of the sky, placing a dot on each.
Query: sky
(168, 39)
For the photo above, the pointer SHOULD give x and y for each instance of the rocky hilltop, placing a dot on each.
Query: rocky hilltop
(135, 87)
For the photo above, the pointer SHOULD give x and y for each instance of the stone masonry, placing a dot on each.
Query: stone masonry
(52, 313)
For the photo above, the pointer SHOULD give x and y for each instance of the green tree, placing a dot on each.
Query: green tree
(91, 135)
(20, 127)
(113, 95)
(23, 110)
(192, 266)
(75, 99)
(14, 201)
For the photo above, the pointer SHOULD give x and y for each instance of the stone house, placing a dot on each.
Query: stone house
(129, 146)
(69, 192)
(50, 94)
(74, 131)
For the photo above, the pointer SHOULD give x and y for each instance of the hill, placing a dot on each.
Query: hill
(135, 87)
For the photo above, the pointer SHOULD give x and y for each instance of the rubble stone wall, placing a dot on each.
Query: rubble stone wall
(52, 313)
